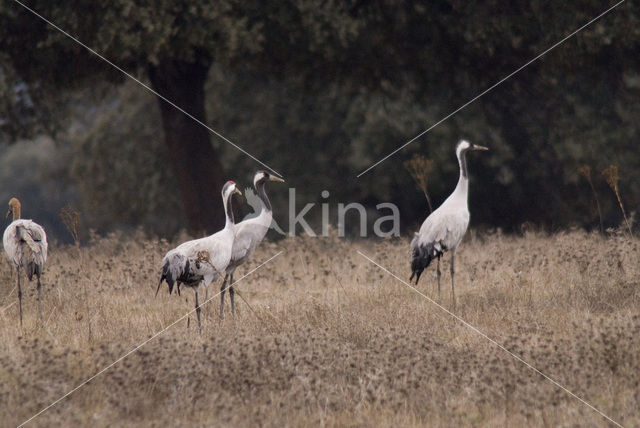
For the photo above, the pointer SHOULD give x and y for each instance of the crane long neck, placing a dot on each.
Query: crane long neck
(16, 213)
(228, 209)
(463, 182)
(266, 205)
(462, 160)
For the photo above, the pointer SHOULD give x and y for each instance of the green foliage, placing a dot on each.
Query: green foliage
(132, 34)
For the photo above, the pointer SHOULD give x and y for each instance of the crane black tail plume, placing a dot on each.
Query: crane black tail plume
(173, 270)
(422, 256)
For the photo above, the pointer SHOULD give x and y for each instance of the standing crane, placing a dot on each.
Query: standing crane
(249, 234)
(25, 244)
(199, 262)
(444, 228)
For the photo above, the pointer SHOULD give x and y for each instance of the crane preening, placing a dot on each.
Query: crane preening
(444, 228)
(25, 244)
(249, 234)
(199, 262)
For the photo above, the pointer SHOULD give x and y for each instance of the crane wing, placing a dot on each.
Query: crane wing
(33, 236)
(444, 228)
(249, 234)
(26, 242)
(241, 247)
(209, 257)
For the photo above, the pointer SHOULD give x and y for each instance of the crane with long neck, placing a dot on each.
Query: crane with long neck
(249, 234)
(199, 262)
(444, 228)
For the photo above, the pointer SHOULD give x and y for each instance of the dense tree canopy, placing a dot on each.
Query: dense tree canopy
(339, 85)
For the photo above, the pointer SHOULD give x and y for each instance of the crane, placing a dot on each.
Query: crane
(249, 234)
(25, 244)
(444, 228)
(199, 262)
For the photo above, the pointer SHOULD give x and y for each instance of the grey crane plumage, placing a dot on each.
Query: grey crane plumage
(444, 228)
(249, 234)
(199, 262)
(25, 244)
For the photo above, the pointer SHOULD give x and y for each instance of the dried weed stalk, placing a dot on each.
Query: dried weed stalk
(420, 168)
(585, 171)
(612, 177)
(70, 217)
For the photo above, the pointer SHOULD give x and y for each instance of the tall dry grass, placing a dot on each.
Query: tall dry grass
(333, 341)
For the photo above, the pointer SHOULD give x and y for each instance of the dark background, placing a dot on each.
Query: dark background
(319, 91)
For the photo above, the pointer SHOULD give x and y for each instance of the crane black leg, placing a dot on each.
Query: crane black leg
(198, 313)
(19, 294)
(231, 295)
(439, 274)
(453, 293)
(39, 297)
(223, 288)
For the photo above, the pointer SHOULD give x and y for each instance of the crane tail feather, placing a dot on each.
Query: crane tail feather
(174, 268)
(422, 256)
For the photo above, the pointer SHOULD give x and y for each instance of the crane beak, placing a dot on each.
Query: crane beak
(9, 213)
(274, 178)
(477, 147)
(237, 191)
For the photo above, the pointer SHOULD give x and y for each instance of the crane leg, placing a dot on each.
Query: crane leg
(198, 313)
(232, 294)
(19, 294)
(439, 274)
(223, 288)
(453, 292)
(40, 298)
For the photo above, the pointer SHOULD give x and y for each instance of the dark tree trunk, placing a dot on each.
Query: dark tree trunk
(195, 163)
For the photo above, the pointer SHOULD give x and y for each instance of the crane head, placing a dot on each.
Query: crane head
(464, 145)
(229, 189)
(14, 208)
(262, 176)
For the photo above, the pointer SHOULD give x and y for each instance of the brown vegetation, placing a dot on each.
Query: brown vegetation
(420, 168)
(333, 340)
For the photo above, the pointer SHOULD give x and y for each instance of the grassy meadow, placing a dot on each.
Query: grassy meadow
(330, 339)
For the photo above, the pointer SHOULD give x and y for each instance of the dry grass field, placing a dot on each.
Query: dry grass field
(331, 339)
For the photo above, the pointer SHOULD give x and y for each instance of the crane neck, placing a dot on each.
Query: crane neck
(228, 210)
(266, 205)
(16, 213)
(462, 161)
(462, 188)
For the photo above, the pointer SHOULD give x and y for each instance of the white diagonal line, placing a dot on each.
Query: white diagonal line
(491, 340)
(7, 307)
(491, 88)
(140, 346)
(147, 87)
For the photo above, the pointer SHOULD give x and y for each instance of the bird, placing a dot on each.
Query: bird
(444, 228)
(199, 262)
(249, 234)
(25, 243)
